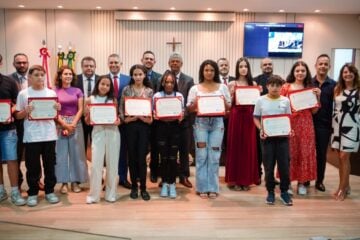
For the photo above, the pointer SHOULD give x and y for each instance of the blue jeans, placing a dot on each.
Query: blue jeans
(208, 130)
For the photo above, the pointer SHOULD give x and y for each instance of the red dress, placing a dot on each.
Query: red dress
(302, 144)
(241, 166)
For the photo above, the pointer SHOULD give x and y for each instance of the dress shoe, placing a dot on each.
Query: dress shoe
(320, 187)
(145, 195)
(153, 178)
(134, 194)
(185, 181)
(125, 184)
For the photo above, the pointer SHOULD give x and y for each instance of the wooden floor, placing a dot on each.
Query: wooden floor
(234, 215)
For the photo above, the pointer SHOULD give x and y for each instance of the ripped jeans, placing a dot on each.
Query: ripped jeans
(208, 134)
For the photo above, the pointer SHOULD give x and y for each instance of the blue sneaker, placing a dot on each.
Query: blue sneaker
(270, 199)
(172, 190)
(17, 199)
(32, 201)
(286, 199)
(52, 198)
(164, 190)
(3, 195)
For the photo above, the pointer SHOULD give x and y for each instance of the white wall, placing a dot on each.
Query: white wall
(97, 34)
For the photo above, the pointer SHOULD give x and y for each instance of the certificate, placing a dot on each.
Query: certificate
(5, 110)
(43, 108)
(102, 113)
(168, 107)
(276, 125)
(137, 106)
(246, 95)
(303, 99)
(210, 106)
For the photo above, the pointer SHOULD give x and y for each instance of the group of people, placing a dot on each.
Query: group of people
(61, 143)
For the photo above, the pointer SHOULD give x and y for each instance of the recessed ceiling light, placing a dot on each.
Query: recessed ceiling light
(98, 7)
(281, 10)
(135, 7)
(172, 8)
(317, 10)
(59, 6)
(209, 9)
(245, 9)
(21, 6)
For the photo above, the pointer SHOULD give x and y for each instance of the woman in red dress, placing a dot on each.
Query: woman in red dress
(241, 169)
(302, 144)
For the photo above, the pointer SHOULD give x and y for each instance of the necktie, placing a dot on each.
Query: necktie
(88, 87)
(225, 80)
(116, 86)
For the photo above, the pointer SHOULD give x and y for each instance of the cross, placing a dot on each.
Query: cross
(173, 43)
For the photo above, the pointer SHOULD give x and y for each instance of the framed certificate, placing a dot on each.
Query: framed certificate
(44, 108)
(303, 99)
(168, 107)
(246, 95)
(137, 106)
(276, 125)
(210, 106)
(102, 114)
(5, 110)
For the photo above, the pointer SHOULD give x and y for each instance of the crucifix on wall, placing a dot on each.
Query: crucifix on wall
(173, 43)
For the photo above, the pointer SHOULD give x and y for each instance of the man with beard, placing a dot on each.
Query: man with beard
(224, 68)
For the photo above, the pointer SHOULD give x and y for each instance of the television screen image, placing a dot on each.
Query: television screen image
(273, 40)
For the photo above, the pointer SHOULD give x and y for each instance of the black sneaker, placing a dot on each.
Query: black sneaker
(145, 195)
(270, 199)
(286, 199)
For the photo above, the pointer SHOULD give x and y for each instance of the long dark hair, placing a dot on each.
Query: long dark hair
(340, 86)
(291, 77)
(212, 64)
(164, 77)
(248, 76)
(110, 95)
(146, 80)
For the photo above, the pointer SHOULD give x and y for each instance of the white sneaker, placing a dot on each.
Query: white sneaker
(17, 199)
(3, 196)
(302, 189)
(90, 200)
(32, 201)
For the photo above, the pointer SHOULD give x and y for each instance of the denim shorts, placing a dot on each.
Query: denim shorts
(8, 145)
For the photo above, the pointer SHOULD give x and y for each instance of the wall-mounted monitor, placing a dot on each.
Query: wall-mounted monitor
(273, 40)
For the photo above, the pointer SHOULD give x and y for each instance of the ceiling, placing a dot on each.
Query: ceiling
(288, 6)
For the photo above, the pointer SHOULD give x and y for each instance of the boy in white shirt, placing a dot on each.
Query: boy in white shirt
(39, 138)
(274, 149)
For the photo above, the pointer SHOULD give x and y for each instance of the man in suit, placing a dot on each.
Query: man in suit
(224, 68)
(185, 82)
(120, 81)
(21, 65)
(86, 83)
(148, 60)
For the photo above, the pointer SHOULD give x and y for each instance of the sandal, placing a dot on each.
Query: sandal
(203, 195)
(213, 195)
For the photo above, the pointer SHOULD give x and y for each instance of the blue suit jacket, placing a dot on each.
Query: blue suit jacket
(123, 81)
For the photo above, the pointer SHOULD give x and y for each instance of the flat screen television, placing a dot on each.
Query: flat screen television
(273, 40)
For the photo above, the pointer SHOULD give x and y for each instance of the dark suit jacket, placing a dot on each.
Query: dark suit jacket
(184, 84)
(79, 81)
(231, 78)
(123, 81)
(16, 78)
(155, 81)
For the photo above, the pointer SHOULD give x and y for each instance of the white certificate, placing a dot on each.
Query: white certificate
(210, 106)
(102, 114)
(303, 99)
(276, 125)
(43, 108)
(5, 110)
(246, 95)
(137, 106)
(168, 107)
